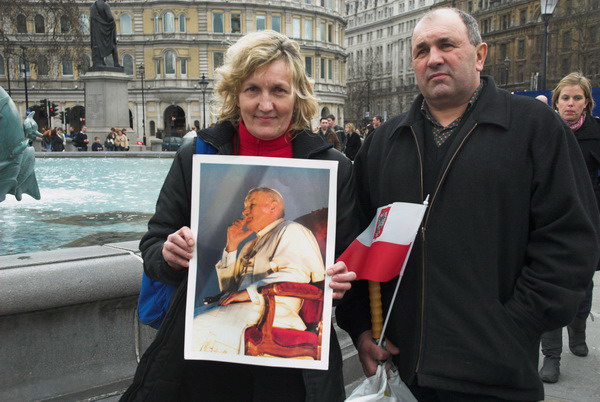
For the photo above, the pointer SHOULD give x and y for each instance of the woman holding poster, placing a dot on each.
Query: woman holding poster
(267, 103)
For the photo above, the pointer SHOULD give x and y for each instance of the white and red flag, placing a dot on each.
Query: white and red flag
(381, 251)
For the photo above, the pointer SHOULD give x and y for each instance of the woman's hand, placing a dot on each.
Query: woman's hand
(177, 250)
(340, 279)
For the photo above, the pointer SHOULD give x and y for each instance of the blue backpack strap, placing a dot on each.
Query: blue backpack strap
(155, 297)
(204, 148)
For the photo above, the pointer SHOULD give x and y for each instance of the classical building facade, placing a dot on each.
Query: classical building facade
(514, 31)
(380, 79)
(178, 42)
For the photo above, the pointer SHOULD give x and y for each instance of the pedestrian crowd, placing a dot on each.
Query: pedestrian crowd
(55, 140)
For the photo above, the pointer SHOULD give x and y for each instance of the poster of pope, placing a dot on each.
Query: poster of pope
(265, 230)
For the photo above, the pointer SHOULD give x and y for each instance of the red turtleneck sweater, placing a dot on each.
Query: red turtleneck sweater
(249, 145)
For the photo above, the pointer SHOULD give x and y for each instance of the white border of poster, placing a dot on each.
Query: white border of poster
(219, 188)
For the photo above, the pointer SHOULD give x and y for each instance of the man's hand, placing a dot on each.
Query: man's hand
(177, 250)
(235, 297)
(236, 234)
(370, 354)
(340, 279)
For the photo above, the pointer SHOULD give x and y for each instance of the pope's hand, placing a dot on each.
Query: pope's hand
(235, 297)
(236, 234)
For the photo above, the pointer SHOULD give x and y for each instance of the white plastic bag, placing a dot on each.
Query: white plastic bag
(380, 388)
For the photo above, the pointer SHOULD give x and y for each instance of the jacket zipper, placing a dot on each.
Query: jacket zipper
(423, 230)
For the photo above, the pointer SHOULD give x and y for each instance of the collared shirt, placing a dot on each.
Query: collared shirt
(441, 133)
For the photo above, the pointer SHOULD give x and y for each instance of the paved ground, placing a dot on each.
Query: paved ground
(580, 376)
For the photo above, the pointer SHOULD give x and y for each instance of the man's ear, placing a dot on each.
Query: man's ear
(481, 51)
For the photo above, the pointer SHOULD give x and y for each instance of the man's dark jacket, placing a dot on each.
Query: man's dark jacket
(588, 137)
(159, 373)
(506, 250)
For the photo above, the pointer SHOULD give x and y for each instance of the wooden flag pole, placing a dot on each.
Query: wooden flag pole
(376, 309)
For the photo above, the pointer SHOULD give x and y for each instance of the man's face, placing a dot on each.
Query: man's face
(376, 122)
(84, 129)
(260, 210)
(324, 125)
(330, 122)
(447, 66)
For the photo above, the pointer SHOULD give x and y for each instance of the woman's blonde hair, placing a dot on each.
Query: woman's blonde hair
(250, 53)
(352, 128)
(574, 79)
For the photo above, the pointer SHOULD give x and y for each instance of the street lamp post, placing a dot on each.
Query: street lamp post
(24, 70)
(141, 71)
(368, 76)
(506, 70)
(546, 9)
(203, 84)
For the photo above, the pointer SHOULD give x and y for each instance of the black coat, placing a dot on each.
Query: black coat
(159, 373)
(507, 247)
(588, 137)
(353, 145)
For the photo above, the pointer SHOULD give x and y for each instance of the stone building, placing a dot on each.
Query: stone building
(380, 79)
(178, 42)
(514, 32)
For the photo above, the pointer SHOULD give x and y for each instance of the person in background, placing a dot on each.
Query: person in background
(338, 130)
(97, 145)
(56, 141)
(46, 140)
(328, 134)
(81, 140)
(267, 101)
(354, 142)
(377, 120)
(572, 99)
(121, 141)
(509, 241)
(109, 143)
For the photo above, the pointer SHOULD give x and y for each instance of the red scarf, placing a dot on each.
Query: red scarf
(249, 145)
(576, 125)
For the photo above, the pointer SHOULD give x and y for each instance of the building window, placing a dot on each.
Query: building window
(567, 40)
(128, 64)
(330, 69)
(236, 23)
(261, 22)
(506, 21)
(168, 22)
(276, 23)
(218, 22)
(296, 27)
(182, 21)
(152, 128)
(330, 33)
(156, 24)
(65, 25)
(308, 65)
(503, 51)
(308, 27)
(170, 62)
(21, 24)
(157, 65)
(183, 66)
(523, 17)
(67, 67)
(42, 66)
(39, 24)
(126, 26)
(323, 31)
(521, 49)
(84, 21)
(323, 75)
(217, 59)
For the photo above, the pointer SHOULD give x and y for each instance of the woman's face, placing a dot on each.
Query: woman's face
(266, 101)
(347, 129)
(571, 103)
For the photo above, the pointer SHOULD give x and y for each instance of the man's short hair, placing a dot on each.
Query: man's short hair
(332, 117)
(273, 194)
(380, 118)
(322, 118)
(470, 23)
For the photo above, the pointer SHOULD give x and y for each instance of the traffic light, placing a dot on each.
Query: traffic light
(53, 110)
(62, 116)
(67, 114)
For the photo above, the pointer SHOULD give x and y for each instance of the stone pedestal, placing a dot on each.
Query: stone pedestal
(106, 103)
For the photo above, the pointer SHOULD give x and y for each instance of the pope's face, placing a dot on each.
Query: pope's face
(266, 101)
(260, 210)
(447, 66)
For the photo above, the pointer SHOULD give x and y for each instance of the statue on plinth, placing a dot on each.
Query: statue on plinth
(103, 35)
(17, 157)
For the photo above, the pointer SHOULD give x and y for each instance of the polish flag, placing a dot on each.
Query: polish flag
(381, 251)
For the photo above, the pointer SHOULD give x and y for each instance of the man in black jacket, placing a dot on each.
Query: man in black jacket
(509, 241)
